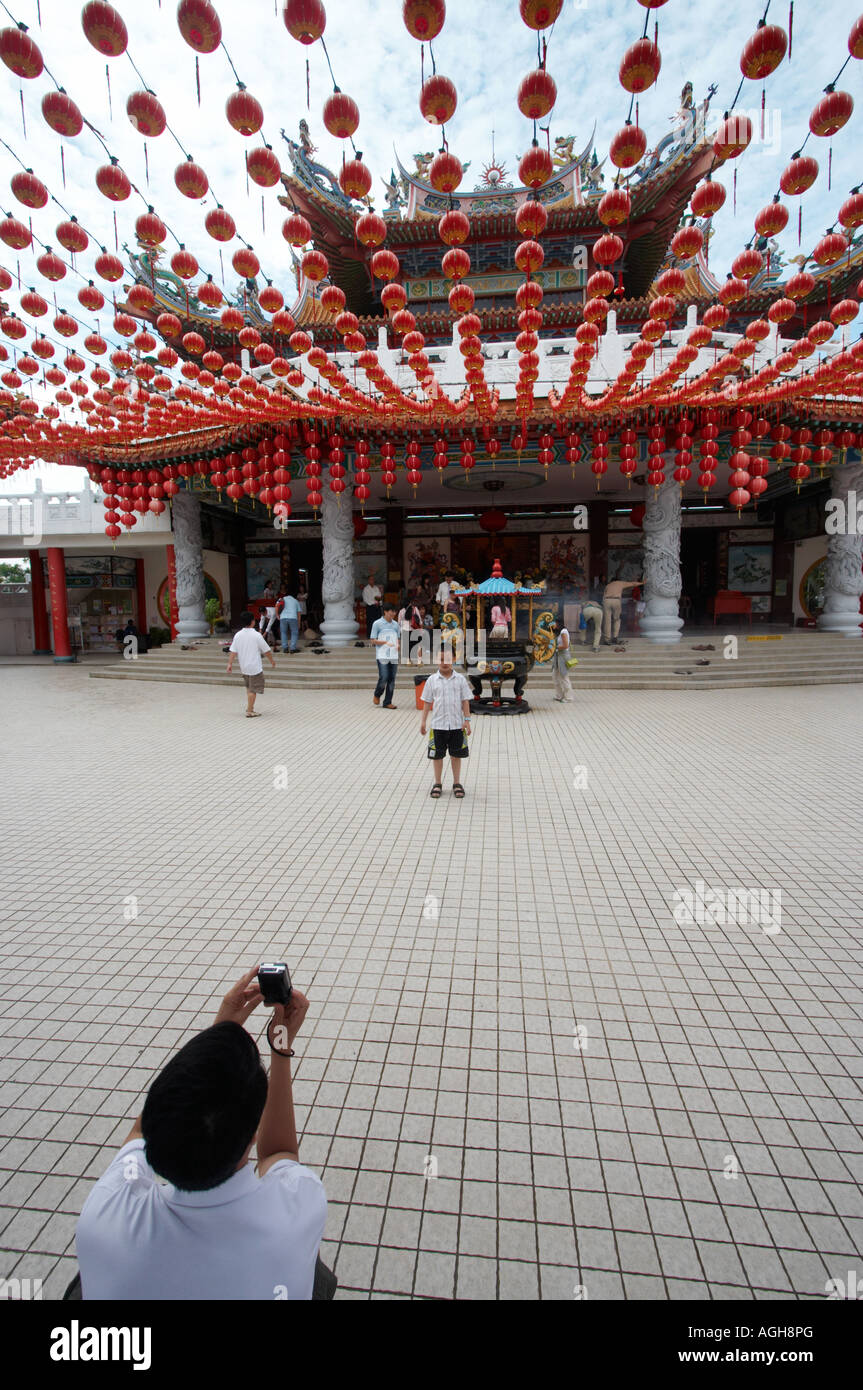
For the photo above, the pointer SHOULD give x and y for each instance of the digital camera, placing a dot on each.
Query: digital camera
(275, 982)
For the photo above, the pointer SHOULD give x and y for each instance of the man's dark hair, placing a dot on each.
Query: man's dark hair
(389, 608)
(203, 1109)
(246, 617)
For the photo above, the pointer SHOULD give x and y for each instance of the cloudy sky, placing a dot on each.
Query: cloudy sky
(484, 48)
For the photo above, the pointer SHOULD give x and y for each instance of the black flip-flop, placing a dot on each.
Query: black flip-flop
(458, 790)
(436, 791)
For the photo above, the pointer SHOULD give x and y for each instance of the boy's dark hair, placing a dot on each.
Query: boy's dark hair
(389, 608)
(246, 617)
(203, 1109)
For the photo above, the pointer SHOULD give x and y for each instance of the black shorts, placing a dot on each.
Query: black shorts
(452, 741)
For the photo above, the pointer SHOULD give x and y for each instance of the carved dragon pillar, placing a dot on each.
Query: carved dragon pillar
(661, 623)
(337, 529)
(189, 557)
(844, 582)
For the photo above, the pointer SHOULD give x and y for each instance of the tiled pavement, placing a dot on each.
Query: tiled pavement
(500, 992)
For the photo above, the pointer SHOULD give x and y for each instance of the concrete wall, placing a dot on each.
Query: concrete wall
(16, 624)
(156, 571)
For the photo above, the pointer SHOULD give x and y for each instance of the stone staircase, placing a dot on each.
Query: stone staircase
(790, 657)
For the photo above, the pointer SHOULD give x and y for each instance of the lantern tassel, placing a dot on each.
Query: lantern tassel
(108, 81)
(23, 117)
(263, 220)
(116, 234)
(198, 79)
(146, 165)
(799, 224)
(63, 166)
(790, 28)
(763, 99)
(829, 167)
(39, 13)
(308, 90)
(734, 197)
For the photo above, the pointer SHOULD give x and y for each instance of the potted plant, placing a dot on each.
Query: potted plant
(212, 613)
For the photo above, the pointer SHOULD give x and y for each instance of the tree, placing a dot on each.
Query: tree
(11, 572)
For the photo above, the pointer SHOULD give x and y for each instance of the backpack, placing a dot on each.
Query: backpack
(279, 606)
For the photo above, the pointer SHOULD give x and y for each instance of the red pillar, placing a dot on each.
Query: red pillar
(172, 591)
(41, 631)
(142, 597)
(59, 614)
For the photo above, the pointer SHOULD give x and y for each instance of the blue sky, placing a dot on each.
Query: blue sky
(484, 48)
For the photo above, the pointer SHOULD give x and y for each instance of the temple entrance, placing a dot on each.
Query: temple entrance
(477, 554)
(699, 572)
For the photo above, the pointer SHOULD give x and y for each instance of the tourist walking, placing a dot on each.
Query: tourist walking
(249, 646)
(289, 622)
(372, 601)
(500, 620)
(385, 635)
(612, 601)
(559, 669)
(446, 698)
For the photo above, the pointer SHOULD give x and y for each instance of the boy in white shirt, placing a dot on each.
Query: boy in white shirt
(447, 696)
(249, 646)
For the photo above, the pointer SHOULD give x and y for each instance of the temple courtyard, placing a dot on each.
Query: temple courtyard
(555, 1047)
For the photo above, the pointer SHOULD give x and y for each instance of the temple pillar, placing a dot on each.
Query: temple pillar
(189, 558)
(41, 630)
(173, 612)
(339, 627)
(844, 581)
(141, 588)
(59, 611)
(660, 622)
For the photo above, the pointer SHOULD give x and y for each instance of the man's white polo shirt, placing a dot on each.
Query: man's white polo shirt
(249, 1238)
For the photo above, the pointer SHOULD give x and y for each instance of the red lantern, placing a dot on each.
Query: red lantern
(246, 263)
(296, 230)
(184, 264)
(146, 113)
(424, 19)
(314, 265)
(191, 179)
(355, 179)
(385, 265)
(305, 20)
(708, 198)
(732, 137)
(772, 219)
(150, 230)
(371, 230)
(763, 53)
(537, 94)
(19, 52)
(108, 267)
(607, 249)
(199, 25)
(28, 189)
(732, 291)
(341, 115)
(798, 175)
(493, 520)
(844, 312)
(61, 114)
(104, 28)
(628, 146)
(445, 172)
(50, 265)
(438, 99)
(14, 233)
(65, 325)
(831, 113)
(800, 285)
(220, 225)
(33, 304)
(112, 182)
(244, 112)
(539, 14)
(456, 263)
(746, 264)
(271, 299)
(536, 167)
(687, 242)
(614, 207)
(529, 256)
(830, 249)
(640, 66)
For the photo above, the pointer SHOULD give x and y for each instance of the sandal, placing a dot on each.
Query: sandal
(458, 790)
(436, 791)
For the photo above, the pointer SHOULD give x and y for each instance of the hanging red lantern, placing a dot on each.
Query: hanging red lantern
(371, 230)
(14, 233)
(220, 225)
(537, 94)
(772, 219)
(184, 264)
(20, 53)
(28, 189)
(95, 344)
(781, 310)
(108, 267)
(493, 520)
(531, 219)
(627, 146)
(246, 263)
(50, 265)
(355, 179)
(61, 114)
(297, 230)
(271, 299)
(456, 263)
(263, 167)
(535, 167)
(708, 198)
(385, 264)
(150, 230)
(169, 325)
(732, 137)
(763, 52)
(445, 172)
(607, 249)
(830, 249)
(65, 325)
(800, 285)
(341, 115)
(844, 312)
(209, 293)
(124, 324)
(191, 179)
(732, 291)
(687, 242)
(851, 211)
(112, 182)
(539, 14)
(199, 25)
(104, 28)
(146, 113)
(438, 99)
(33, 304)
(640, 66)
(305, 20)
(71, 236)
(798, 175)
(244, 112)
(746, 264)
(424, 19)
(529, 257)
(831, 113)
(314, 265)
